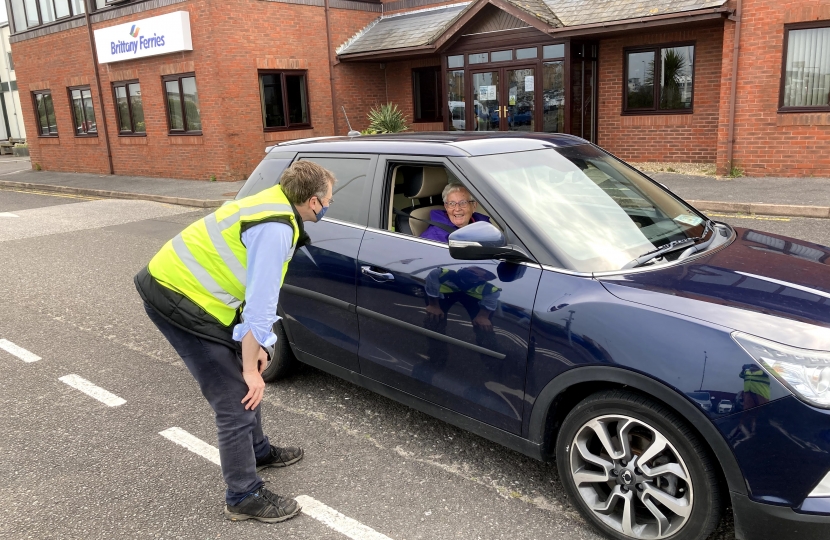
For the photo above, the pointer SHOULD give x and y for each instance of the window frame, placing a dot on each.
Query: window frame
(657, 50)
(283, 73)
(126, 85)
(784, 50)
(69, 90)
(178, 132)
(41, 24)
(438, 93)
(40, 133)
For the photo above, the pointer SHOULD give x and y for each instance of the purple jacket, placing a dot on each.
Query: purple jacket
(440, 216)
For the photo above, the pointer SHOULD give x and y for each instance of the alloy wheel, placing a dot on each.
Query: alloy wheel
(631, 477)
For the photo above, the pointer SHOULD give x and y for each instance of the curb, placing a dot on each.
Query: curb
(181, 201)
(790, 210)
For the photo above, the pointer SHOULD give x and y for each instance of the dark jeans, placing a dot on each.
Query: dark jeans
(218, 370)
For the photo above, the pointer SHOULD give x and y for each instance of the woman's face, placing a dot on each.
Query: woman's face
(460, 212)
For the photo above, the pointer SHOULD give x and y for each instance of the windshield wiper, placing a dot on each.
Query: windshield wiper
(668, 248)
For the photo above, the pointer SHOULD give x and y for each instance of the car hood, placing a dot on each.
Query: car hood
(763, 284)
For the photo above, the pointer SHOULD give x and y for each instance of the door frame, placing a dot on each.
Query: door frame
(502, 91)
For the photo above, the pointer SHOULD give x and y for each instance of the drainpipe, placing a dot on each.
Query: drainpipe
(103, 122)
(730, 138)
(331, 70)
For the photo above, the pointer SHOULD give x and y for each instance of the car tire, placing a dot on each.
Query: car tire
(675, 495)
(283, 361)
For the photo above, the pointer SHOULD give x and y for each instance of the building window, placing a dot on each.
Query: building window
(183, 117)
(455, 100)
(426, 89)
(284, 96)
(30, 13)
(82, 111)
(659, 79)
(45, 111)
(129, 108)
(806, 78)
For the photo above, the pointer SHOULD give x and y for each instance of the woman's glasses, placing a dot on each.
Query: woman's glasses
(460, 204)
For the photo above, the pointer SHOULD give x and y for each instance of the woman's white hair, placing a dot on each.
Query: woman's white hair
(453, 187)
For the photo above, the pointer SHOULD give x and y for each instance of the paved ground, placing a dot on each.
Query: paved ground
(801, 191)
(73, 467)
(20, 170)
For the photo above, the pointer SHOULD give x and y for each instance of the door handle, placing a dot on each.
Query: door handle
(377, 276)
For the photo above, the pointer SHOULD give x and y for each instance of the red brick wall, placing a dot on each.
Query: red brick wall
(768, 143)
(231, 41)
(690, 138)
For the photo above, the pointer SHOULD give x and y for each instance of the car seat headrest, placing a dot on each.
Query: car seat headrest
(424, 181)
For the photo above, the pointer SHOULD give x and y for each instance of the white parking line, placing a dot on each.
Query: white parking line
(18, 351)
(311, 507)
(8, 215)
(79, 383)
(194, 444)
(337, 521)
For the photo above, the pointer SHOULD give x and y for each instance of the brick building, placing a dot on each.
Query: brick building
(198, 88)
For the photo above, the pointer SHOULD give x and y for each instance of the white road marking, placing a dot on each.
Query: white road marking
(8, 215)
(14, 172)
(79, 383)
(337, 521)
(194, 444)
(311, 507)
(18, 351)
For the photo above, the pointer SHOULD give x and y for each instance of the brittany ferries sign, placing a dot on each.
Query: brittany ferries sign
(146, 37)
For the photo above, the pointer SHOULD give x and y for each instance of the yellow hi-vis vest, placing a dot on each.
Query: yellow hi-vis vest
(207, 262)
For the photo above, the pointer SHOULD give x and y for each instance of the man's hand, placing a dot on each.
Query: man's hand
(256, 389)
(482, 320)
(252, 367)
(434, 311)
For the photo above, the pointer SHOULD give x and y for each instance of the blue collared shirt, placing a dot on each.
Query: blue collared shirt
(268, 245)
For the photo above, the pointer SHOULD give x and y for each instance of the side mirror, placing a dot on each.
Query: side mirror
(481, 241)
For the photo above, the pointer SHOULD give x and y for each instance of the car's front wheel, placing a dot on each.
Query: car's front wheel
(635, 470)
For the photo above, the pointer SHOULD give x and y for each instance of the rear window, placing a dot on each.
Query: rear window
(267, 173)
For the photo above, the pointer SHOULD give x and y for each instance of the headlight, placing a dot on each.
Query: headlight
(806, 373)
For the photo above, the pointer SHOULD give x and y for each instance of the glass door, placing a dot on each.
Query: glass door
(487, 107)
(521, 96)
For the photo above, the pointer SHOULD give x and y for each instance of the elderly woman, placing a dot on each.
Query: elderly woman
(459, 210)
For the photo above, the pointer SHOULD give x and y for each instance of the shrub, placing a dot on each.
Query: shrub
(387, 118)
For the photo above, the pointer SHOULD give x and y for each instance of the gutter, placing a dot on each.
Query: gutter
(733, 91)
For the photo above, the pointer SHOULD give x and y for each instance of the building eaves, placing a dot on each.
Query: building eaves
(582, 12)
(403, 30)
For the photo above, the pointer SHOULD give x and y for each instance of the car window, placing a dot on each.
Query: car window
(350, 196)
(267, 173)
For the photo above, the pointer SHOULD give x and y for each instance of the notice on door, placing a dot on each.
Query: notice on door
(487, 93)
(529, 82)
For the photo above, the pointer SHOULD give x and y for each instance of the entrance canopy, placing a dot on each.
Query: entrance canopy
(426, 32)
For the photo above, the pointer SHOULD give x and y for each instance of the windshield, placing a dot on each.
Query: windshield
(596, 213)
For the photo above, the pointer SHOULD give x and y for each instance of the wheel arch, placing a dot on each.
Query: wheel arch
(560, 395)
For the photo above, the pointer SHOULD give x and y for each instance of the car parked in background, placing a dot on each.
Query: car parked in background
(579, 326)
(725, 406)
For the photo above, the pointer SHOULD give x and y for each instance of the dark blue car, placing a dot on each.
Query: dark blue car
(673, 366)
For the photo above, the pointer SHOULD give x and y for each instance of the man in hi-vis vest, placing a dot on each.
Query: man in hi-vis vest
(212, 291)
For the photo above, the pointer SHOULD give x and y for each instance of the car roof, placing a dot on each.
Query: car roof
(438, 143)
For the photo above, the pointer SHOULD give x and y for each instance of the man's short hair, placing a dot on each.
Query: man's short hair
(304, 180)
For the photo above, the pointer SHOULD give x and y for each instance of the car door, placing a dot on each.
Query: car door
(318, 296)
(469, 354)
